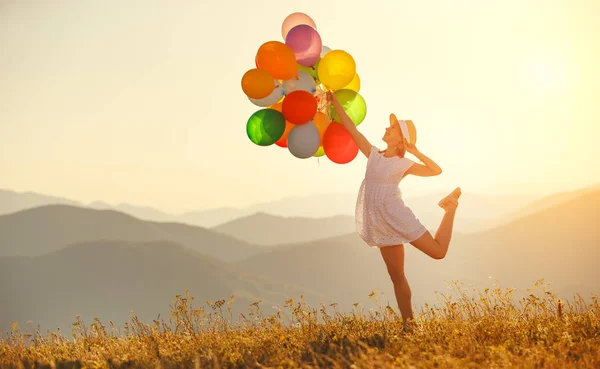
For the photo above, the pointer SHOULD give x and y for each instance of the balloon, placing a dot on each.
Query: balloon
(257, 83)
(312, 71)
(338, 144)
(273, 98)
(306, 43)
(324, 51)
(282, 142)
(278, 106)
(295, 19)
(336, 69)
(354, 105)
(278, 59)
(354, 85)
(304, 140)
(299, 107)
(319, 152)
(303, 82)
(322, 121)
(265, 127)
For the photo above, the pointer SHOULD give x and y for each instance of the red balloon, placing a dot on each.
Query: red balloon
(338, 144)
(283, 140)
(299, 107)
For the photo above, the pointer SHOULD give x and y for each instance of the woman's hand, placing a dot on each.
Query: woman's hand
(330, 96)
(429, 169)
(409, 147)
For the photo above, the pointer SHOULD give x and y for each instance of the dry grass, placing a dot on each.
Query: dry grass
(489, 329)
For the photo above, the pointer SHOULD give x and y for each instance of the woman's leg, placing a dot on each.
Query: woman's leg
(394, 261)
(438, 247)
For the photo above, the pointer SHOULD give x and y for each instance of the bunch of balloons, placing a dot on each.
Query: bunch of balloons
(289, 83)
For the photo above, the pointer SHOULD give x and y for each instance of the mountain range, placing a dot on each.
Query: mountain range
(111, 279)
(59, 261)
(481, 211)
(559, 244)
(48, 228)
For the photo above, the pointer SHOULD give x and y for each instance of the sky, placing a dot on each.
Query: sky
(141, 102)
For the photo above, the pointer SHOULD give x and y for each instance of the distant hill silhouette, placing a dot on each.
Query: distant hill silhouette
(117, 263)
(49, 228)
(559, 244)
(480, 211)
(109, 280)
(141, 212)
(270, 230)
(550, 201)
(11, 201)
(273, 230)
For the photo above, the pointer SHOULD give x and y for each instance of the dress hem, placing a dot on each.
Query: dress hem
(379, 245)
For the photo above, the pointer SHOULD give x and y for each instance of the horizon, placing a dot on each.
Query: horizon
(535, 196)
(104, 102)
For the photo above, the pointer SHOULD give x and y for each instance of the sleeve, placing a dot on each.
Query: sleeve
(374, 150)
(405, 163)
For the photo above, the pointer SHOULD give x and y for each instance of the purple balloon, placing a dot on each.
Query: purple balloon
(306, 44)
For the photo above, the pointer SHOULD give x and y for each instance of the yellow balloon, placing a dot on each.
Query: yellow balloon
(319, 152)
(354, 85)
(336, 69)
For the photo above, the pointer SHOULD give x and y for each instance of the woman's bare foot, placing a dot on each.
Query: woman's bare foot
(410, 326)
(450, 205)
(454, 195)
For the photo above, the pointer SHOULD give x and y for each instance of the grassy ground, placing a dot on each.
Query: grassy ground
(489, 329)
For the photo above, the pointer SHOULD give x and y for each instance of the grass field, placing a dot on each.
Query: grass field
(468, 329)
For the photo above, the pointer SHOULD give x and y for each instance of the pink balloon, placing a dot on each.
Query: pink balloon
(306, 44)
(293, 20)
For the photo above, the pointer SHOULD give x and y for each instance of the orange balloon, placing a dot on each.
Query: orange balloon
(288, 126)
(299, 107)
(283, 140)
(322, 121)
(278, 106)
(278, 59)
(257, 83)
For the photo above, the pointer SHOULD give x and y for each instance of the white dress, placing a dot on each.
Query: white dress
(382, 218)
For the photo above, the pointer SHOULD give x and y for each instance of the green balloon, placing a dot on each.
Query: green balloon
(319, 152)
(265, 127)
(354, 105)
(316, 68)
(310, 70)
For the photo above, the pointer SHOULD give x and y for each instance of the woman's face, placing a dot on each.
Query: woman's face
(393, 133)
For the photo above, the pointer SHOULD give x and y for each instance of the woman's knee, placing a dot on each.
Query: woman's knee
(430, 247)
(397, 276)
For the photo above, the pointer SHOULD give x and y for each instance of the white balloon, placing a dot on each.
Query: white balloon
(303, 82)
(272, 99)
(304, 140)
(324, 50)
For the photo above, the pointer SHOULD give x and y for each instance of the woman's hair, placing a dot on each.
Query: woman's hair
(399, 152)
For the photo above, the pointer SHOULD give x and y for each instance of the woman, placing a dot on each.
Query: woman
(382, 218)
